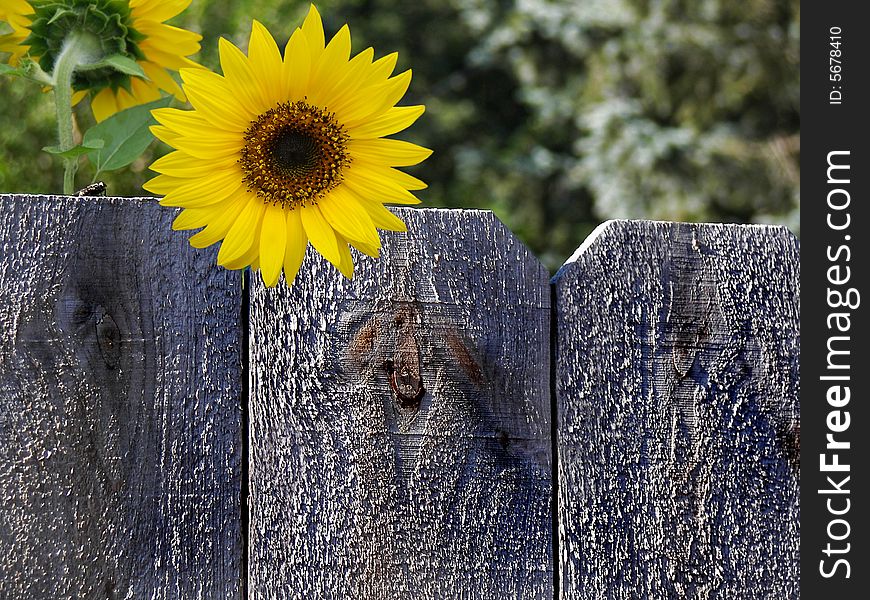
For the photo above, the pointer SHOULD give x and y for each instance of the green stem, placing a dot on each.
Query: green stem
(77, 50)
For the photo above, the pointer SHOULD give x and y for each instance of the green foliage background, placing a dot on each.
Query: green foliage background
(556, 115)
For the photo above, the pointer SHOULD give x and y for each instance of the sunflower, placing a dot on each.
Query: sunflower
(16, 14)
(133, 29)
(277, 153)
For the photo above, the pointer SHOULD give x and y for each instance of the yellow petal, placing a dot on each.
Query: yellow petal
(380, 216)
(378, 99)
(390, 153)
(296, 69)
(190, 218)
(409, 182)
(167, 60)
(320, 233)
(383, 68)
(297, 243)
(332, 63)
(348, 217)
(78, 97)
(342, 90)
(158, 11)
(242, 235)
(194, 218)
(222, 151)
(248, 258)
(196, 192)
(104, 105)
(393, 121)
(312, 27)
(218, 228)
(142, 92)
(367, 96)
(197, 137)
(265, 62)
(163, 80)
(367, 250)
(183, 165)
(164, 134)
(181, 121)
(161, 35)
(240, 78)
(367, 182)
(163, 184)
(345, 265)
(273, 240)
(212, 98)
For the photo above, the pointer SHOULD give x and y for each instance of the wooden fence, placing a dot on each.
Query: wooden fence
(450, 424)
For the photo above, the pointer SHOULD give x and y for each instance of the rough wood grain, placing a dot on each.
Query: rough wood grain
(678, 431)
(363, 487)
(120, 383)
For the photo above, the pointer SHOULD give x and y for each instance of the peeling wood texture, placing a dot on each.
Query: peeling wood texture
(400, 422)
(120, 378)
(678, 431)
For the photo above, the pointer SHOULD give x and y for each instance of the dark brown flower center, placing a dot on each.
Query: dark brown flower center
(294, 154)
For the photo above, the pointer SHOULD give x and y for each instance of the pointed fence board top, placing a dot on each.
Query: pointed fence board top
(677, 357)
(120, 382)
(400, 422)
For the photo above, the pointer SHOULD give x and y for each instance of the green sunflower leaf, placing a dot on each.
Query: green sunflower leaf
(10, 70)
(26, 69)
(125, 65)
(125, 136)
(85, 148)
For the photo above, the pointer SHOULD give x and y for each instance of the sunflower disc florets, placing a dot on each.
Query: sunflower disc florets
(294, 154)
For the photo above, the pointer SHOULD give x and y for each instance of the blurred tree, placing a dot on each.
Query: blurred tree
(556, 115)
(685, 110)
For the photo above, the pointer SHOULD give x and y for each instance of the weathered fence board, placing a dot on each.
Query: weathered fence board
(120, 382)
(677, 388)
(400, 422)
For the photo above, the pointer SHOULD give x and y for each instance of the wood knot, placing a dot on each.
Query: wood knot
(108, 339)
(463, 356)
(406, 383)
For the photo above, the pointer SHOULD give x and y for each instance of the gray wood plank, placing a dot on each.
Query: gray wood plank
(678, 430)
(120, 374)
(363, 488)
